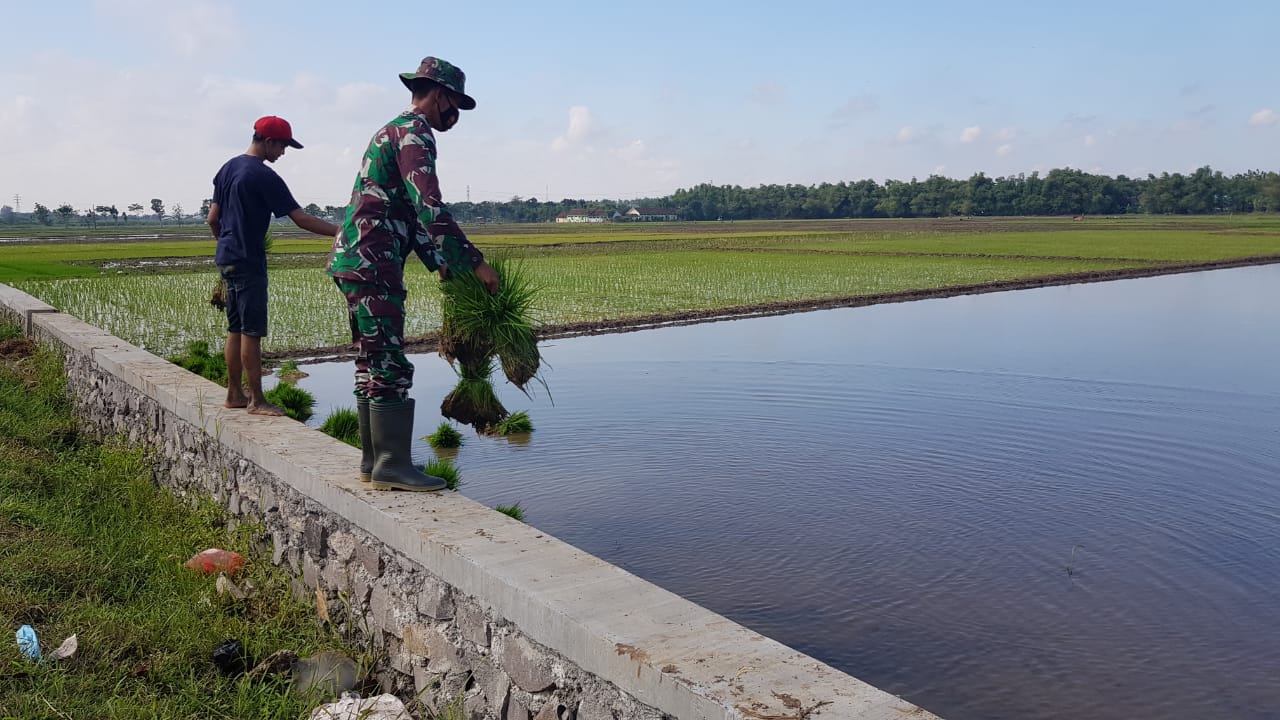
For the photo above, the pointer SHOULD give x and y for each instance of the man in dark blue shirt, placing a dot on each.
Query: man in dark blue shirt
(246, 194)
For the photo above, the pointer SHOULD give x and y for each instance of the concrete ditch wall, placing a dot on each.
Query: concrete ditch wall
(459, 598)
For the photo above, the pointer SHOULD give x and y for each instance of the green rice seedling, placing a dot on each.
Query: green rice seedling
(445, 470)
(199, 360)
(474, 320)
(473, 401)
(513, 510)
(343, 424)
(289, 372)
(296, 402)
(514, 424)
(445, 436)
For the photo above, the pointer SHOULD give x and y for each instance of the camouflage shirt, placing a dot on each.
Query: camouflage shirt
(396, 209)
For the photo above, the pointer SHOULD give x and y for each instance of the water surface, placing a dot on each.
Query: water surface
(1050, 503)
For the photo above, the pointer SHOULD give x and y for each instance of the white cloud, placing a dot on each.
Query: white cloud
(193, 28)
(1004, 150)
(581, 126)
(1007, 133)
(1264, 118)
(907, 135)
(1090, 141)
(971, 134)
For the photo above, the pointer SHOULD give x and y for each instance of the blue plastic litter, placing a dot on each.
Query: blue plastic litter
(28, 643)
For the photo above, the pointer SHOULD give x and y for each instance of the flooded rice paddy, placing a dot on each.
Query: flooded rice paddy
(1050, 503)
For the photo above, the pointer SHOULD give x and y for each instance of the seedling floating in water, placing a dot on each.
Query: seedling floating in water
(514, 424)
(445, 436)
(444, 470)
(343, 424)
(513, 510)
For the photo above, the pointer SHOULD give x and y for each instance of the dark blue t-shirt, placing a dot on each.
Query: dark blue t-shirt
(248, 193)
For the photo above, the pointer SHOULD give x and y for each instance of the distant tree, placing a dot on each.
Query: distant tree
(43, 216)
(107, 210)
(1269, 193)
(177, 212)
(204, 207)
(335, 213)
(157, 207)
(90, 218)
(6, 214)
(135, 208)
(313, 209)
(65, 212)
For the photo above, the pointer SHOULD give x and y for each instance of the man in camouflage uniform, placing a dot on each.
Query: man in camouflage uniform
(396, 210)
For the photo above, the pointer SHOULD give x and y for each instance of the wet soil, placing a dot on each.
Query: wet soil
(429, 343)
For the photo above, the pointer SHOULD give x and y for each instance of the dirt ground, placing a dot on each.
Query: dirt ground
(428, 344)
(16, 348)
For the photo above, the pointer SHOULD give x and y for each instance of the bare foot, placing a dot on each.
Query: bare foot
(236, 399)
(265, 408)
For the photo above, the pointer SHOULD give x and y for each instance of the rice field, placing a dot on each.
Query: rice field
(162, 312)
(591, 274)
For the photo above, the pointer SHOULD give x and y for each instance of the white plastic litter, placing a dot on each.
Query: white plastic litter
(382, 707)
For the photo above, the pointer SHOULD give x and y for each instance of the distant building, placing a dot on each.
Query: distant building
(583, 215)
(642, 214)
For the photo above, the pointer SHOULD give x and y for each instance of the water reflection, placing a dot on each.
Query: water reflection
(898, 489)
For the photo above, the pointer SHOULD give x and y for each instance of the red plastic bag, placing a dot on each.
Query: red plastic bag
(214, 560)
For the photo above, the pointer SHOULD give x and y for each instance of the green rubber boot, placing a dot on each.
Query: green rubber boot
(391, 428)
(366, 441)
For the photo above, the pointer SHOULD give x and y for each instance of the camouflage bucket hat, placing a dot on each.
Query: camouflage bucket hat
(444, 73)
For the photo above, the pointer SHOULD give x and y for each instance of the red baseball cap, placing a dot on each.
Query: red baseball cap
(275, 128)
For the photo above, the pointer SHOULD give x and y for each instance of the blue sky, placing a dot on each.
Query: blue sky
(118, 101)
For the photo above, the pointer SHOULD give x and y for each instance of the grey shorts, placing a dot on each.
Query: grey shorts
(246, 301)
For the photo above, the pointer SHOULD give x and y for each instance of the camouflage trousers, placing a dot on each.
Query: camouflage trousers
(376, 316)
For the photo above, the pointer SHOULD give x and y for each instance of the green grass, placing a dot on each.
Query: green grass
(517, 423)
(343, 424)
(445, 436)
(513, 510)
(585, 274)
(296, 402)
(164, 312)
(198, 359)
(89, 545)
(1193, 246)
(445, 470)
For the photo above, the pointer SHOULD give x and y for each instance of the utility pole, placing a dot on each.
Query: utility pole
(17, 202)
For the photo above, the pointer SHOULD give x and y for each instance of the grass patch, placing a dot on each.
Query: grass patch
(198, 359)
(343, 424)
(89, 545)
(517, 423)
(445, 436)
(296, 402)
(289, 372)
(514, 511)
(445, 470)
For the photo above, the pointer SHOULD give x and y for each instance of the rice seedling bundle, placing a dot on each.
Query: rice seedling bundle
(475, 327)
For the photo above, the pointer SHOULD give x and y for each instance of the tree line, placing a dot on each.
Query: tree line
(1062, 191)
(1059, 192)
